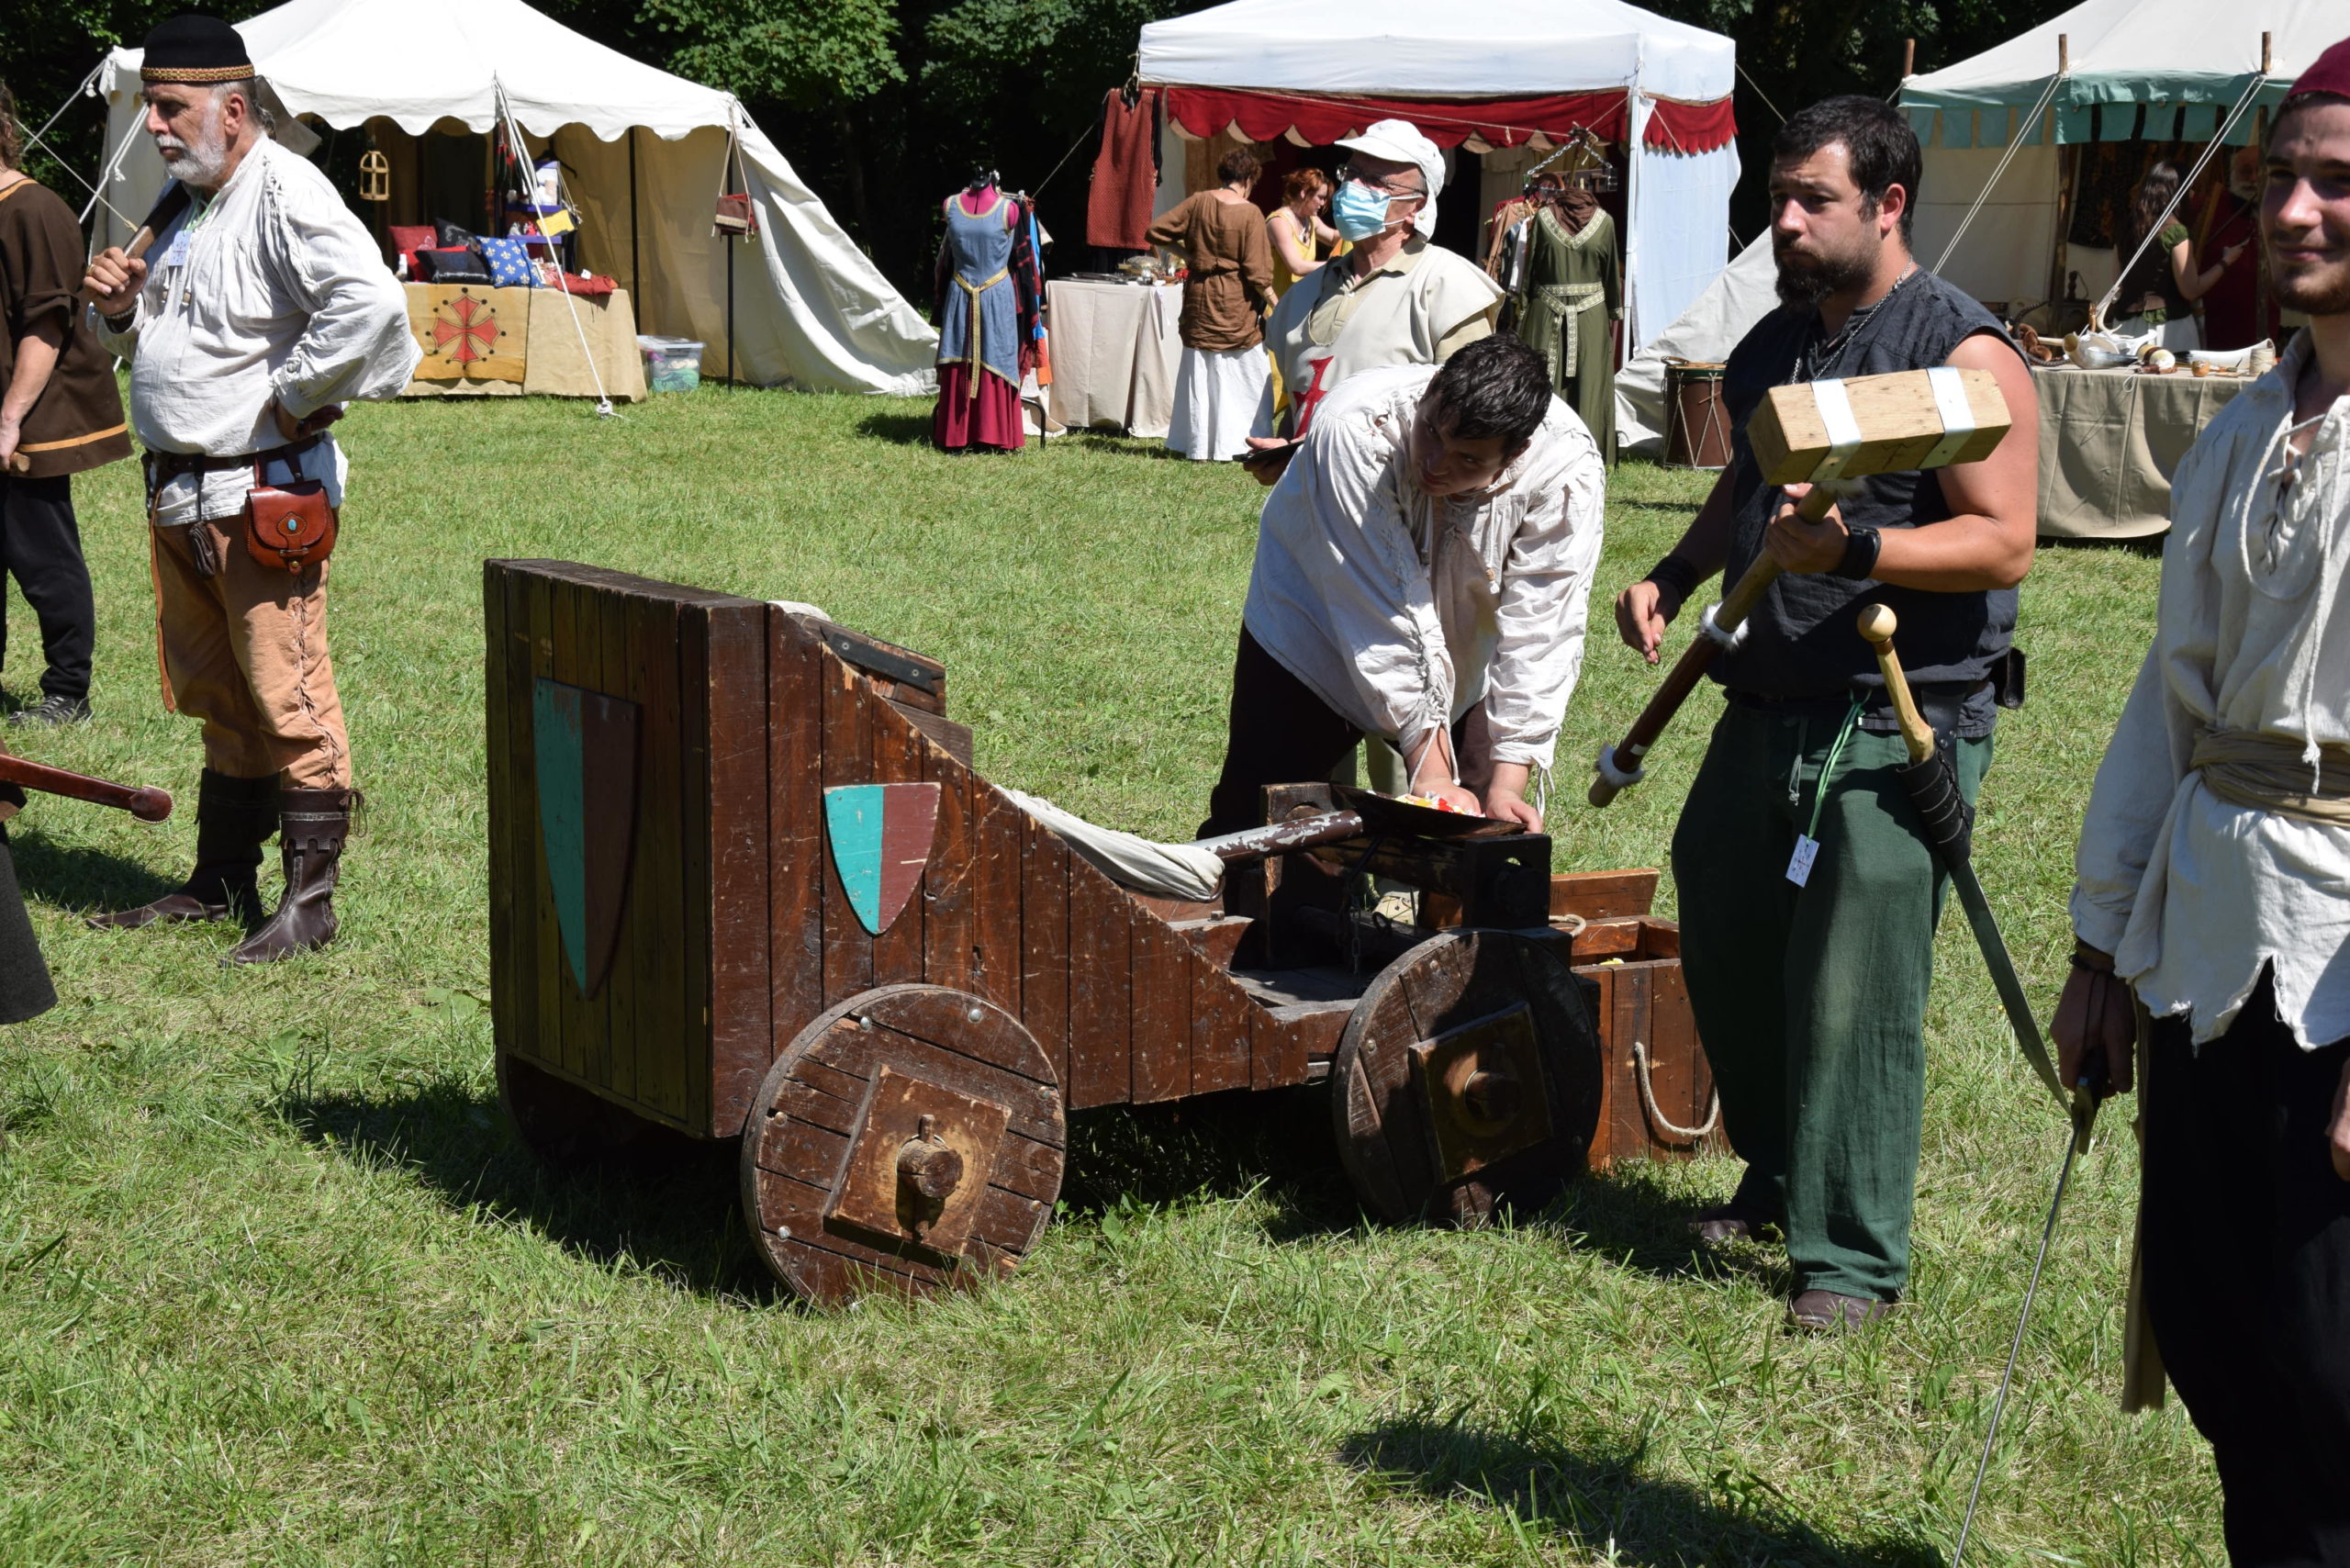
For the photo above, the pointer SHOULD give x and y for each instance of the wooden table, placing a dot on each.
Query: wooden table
(507, 342)
(2109, 441)
(1115, 354)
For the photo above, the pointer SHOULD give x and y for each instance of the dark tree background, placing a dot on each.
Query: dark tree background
(886, 105)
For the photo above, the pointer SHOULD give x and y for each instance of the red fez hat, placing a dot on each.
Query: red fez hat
(190, 48)
(2330, 72)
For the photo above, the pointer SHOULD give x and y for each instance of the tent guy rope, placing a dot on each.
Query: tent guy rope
(604, 409)
(2259, 79)
(2015, 145)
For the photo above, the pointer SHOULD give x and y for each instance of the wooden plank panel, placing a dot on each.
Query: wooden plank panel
(497, 753)
(795, 829)
(1220, 1017)
(996, 917)
(1044, 944)
(548, 979)
(1599, 991)
(621, 678)
(950, 939)
(736, 702)
(1161, 1028)
(1101, 1000)
(848, 759)
(563, 633)
(1629, 1127)
(666, 1034)
(897, 759)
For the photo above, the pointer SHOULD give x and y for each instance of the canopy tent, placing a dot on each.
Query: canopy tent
(816, 313)
(1740, 294)
(1489, 74)
(2154, 70)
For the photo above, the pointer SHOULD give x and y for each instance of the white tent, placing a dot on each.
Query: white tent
(1743, 293)
(817, 313)
(2160, 70)
(1492, 75)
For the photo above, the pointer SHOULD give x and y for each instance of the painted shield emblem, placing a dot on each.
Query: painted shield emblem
(585, 746)
(881, 835)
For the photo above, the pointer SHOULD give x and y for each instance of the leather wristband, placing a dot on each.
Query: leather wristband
(1860, 547)
(121, 323)
(1676, 577)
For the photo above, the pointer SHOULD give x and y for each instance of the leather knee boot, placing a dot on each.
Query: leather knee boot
(234, 817)
(312, 824)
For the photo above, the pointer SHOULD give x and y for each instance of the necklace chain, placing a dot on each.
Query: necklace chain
(1818, 361)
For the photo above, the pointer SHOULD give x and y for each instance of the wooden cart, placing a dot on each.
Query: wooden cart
(745, 884)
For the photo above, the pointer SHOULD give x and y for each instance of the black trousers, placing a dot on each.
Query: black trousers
(2247, 1275)
(40, 547)
(1278, 733)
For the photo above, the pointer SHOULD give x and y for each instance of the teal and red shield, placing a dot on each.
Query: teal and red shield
(585, 746)
(881, 836)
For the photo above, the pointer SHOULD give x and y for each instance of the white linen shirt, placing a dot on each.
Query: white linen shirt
(272, 291)
(2190, 894)
(1402, 611)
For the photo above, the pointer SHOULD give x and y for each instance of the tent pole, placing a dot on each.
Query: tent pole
(635, 285)
(728, 240)
(2069, 161)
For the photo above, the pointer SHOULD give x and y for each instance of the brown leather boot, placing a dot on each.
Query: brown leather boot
(312, 824)
(234, 817)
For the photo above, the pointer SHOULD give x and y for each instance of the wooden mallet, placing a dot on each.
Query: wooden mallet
(1823, 433)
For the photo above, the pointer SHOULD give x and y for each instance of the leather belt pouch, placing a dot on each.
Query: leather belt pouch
(290, 526)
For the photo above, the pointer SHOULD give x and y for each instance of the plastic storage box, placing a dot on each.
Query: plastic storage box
(671, 365)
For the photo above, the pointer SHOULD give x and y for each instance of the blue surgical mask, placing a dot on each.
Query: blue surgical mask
(1359, 212)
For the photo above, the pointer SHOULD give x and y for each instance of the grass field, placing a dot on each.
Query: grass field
(277, 1284)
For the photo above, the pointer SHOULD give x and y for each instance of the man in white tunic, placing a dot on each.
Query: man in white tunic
(1394, 298)
(2214, 883)
(261, 308)
(1422, 573)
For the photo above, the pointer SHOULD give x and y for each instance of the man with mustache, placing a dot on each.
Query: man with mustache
(1809, 895)
(2212, 909)
(1423, 569)
(262, 307)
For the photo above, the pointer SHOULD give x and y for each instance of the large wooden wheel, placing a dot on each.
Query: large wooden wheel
(910, 1138)
(1469, 1076)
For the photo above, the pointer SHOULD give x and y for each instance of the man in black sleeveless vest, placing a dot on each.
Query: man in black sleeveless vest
(1808, 895)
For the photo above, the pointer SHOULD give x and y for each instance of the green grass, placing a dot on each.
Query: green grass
(278, 1285)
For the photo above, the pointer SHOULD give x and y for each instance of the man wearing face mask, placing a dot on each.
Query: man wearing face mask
(1421, 576)
(1394, 298)
(1808, 892)
(261, 308)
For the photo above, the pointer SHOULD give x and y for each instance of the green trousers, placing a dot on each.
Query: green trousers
(1811, 1001)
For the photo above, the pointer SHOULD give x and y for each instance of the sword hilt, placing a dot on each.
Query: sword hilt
(1877, 623)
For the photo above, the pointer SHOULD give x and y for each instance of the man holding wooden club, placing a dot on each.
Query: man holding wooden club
(262, 307)
(1808, 895)
(2214, 887)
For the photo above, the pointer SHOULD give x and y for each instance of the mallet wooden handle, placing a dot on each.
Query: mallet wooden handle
(1698, 656)
(147, 805)
(1877, 624)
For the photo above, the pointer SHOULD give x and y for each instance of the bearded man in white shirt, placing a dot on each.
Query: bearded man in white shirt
(2214, 884)
(265, 308)
(1422, 574)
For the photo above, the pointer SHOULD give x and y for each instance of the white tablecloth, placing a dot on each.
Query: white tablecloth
(1115, 354)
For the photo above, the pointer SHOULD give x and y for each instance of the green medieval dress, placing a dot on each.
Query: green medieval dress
(1574, 291)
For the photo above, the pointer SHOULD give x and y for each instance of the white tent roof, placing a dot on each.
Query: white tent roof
(817, 314)
(1492, 47)
(2177, 52)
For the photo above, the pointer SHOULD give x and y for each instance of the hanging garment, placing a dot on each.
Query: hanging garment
(979, 339)
(1573, 290)
(1125, 172)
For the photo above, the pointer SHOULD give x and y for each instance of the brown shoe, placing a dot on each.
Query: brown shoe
(312, 824)
(234, 817)
(1730, 1223)
(1825, 1312)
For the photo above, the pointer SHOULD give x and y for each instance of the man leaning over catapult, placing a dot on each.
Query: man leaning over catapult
(259, 308)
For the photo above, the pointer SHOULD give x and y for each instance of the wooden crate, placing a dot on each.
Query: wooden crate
(1629, 962)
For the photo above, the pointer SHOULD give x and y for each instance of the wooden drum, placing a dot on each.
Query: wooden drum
(1697, 424)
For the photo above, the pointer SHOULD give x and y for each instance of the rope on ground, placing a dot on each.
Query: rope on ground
(2097, 314)
(1983, 196)
(522, 149)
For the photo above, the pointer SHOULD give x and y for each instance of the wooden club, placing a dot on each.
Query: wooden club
(1877, 624)
(1823, 433)
(148, 805)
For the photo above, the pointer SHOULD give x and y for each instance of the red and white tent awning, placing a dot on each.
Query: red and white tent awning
(1312, 119)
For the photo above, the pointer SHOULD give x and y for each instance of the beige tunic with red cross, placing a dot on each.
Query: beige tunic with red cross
(1417, 310)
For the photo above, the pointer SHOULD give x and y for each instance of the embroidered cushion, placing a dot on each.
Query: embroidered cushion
(509, 263)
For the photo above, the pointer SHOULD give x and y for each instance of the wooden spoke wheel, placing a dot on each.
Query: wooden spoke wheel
(909, 1139)
(1469, 1076)
(570, 1127)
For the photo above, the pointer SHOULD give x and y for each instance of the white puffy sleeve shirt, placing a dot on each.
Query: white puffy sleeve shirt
(1401, 611)
(2193, 895)
(272, 291)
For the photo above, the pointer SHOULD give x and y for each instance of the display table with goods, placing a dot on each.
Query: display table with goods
(483, 340)
(1115, 354)
(2110, 440)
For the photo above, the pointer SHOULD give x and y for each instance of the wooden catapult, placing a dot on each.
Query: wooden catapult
(744, 883)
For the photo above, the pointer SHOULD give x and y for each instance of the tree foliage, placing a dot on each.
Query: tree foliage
(809, 54)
